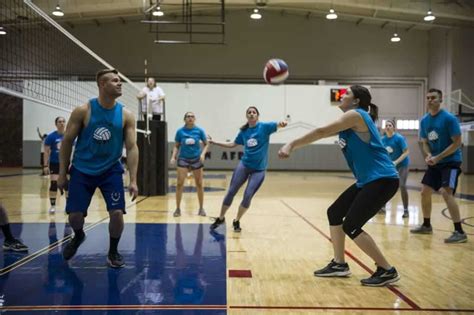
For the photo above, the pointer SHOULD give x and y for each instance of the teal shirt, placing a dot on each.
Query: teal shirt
(256, 142)
(368, 161)
(99, 144)
(395, 146)
(438, 130)
(190, 142)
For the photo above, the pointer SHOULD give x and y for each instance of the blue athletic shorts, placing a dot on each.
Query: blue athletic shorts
(82, 187)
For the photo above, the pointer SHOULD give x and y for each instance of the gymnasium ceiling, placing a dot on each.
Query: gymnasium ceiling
(406, 14)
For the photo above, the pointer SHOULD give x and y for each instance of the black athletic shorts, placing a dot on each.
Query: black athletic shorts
(442, 175)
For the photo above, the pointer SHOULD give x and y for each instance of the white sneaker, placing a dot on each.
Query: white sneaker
(52, 209)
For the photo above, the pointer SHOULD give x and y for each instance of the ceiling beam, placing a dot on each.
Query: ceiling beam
(410, 27)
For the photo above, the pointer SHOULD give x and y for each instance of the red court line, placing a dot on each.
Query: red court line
(233, 273)
(360, 263)
(349, 308)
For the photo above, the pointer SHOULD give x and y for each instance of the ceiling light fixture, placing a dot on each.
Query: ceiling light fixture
(58, 11)
(331, 15)
(256, 15)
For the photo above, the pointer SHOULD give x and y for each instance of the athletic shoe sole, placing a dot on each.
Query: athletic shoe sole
(388, 281)
(334, 274)
(109, 262)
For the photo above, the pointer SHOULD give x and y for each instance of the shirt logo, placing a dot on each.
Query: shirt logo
(189, 141)
(433, 136)
(389, 149)
(342, 143)
(252, 142)
(102, 134)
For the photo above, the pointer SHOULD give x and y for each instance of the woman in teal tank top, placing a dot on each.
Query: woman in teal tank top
(376, 183)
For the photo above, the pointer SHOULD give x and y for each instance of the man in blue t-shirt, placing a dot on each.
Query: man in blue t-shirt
(52, 144)
(440, 134)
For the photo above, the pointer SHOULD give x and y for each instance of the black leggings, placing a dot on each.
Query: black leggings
(355, 206)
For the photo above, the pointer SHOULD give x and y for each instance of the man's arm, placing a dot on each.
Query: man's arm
(449, 150)
(132, 152)
(74, 126)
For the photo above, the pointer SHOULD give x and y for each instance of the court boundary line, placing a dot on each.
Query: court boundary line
(112, 307)
(56, 244)
(394, 290)
(341, 308)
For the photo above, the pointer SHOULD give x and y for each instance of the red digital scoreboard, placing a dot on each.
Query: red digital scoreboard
(336, 95)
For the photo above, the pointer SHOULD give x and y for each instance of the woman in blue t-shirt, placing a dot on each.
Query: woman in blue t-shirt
(255, 137)
(376, 183)
(397, 149)
(191, 156)
(52, 144)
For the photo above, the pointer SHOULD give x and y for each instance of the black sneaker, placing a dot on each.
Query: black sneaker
(15, 246)
(115, 260)
(71, 248)
(334, 269)
(405, 214)
(236, 225)
(216, 223)
(381, 277)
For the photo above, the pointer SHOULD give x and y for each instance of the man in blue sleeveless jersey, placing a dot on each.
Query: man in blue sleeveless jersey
(102, 127)
(441, 136)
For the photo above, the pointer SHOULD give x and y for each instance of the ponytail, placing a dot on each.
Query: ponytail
(244, 127)
(374, 112)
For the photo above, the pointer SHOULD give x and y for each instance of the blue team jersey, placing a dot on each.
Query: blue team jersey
(395, 146)
(439, 129)
(99, 144)
(256, 142)
(368, 161)
(53, 140)
(190, 142)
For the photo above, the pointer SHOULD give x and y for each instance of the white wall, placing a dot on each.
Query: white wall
(440, 60)
(463, 61)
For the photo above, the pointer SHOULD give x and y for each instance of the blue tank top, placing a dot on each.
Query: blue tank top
(368, 161)
(99, 145)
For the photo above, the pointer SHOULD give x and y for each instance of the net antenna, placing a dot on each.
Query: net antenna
(40, 61)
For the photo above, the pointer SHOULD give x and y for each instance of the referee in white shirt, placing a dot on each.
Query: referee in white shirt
(155, 97)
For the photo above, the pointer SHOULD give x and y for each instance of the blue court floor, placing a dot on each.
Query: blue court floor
(170, 269)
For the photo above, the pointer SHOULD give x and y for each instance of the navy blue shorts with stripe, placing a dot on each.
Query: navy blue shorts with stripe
(442, 175)
(82, 187)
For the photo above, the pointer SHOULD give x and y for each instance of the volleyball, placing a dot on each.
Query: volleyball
(275, 71)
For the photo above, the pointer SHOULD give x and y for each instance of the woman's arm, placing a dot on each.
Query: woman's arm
(348, 120)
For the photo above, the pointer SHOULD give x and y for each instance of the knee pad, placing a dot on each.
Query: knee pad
(333, 216)
(54, 186)
(351, 230)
